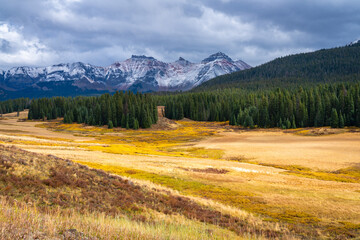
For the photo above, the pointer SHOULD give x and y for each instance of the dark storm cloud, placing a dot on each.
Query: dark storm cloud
(101, 32)
(327, 22)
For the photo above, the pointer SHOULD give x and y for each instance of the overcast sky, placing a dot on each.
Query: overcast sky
(100, 32)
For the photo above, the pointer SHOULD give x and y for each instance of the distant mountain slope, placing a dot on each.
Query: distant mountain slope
(138, 73)
(326, 65)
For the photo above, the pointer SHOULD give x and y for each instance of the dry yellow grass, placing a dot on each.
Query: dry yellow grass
(147, 141)
(331, 152)
(312, 197)
(23, 221)
(42, 197)
(11, 126)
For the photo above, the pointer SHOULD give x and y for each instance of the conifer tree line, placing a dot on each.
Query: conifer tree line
(335, 105)
(14, 105)
(126, 110)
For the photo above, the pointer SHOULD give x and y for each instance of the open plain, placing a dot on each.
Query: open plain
(302, 183)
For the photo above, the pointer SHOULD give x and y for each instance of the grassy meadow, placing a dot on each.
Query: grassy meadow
(178, 180)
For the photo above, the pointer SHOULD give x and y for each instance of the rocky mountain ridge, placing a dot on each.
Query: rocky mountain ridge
(138, 73)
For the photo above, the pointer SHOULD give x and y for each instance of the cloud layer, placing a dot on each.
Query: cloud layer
(39, 33)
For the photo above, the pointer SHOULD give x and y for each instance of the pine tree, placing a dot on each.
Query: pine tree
(123, 121)
(42, 114)
(127, 124)
(263, 113)
(288, 124)
(146, 121)
(67, 118)
(249, 122)
(233, 120)
(110, 124)
(155, 113)
(341, 121)
(136, 124)
(334, 118)
(54, 112)
(319, 120)
(29, 115)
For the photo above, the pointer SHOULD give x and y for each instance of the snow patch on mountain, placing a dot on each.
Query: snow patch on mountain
(354, 42)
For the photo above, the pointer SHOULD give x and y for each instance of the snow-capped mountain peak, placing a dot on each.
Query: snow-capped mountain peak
(217, 56)
(183, 62)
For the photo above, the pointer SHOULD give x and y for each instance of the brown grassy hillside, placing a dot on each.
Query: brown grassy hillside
(47, 187)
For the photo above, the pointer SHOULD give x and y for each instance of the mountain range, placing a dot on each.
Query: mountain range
(138, 73)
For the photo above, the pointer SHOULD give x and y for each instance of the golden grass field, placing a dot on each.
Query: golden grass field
(303, 183)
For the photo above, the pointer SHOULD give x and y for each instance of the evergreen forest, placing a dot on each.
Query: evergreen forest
(335, 105)
(126, 110)
(14, 105)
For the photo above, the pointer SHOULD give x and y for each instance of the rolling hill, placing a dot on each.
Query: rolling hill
(341, 64)
(46, 197)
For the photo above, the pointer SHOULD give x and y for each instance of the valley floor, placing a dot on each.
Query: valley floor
(302, 183)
